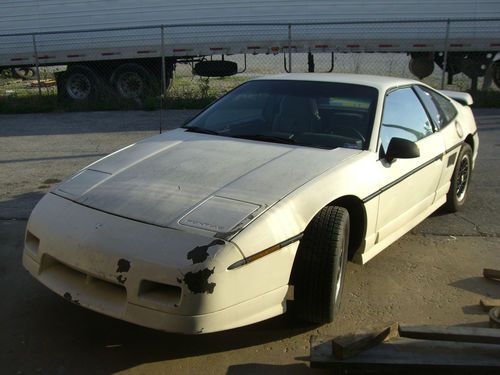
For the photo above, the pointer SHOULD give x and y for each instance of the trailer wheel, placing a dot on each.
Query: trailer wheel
(79, 83)
(133, 81)
(421, 66)
(495, 73)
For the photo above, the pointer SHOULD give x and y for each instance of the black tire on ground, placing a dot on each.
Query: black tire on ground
(79, 83)
(133, 81)
(495, 73)
(318, 271)
(457, 195)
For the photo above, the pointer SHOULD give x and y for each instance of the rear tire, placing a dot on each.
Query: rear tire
(133, 81)
(318, 273)
(495, 73)
(460, 180)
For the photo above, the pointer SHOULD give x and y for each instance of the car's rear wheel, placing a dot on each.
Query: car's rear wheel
(318, 273)
(460, 180)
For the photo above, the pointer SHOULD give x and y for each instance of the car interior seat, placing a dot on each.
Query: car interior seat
(297, 115)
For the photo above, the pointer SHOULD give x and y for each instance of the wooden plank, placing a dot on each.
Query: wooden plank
(350, 345)
(491, 274)
(489, 303)
(403, 354)
(457, 334)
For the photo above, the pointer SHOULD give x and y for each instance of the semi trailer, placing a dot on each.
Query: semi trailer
(134, 46)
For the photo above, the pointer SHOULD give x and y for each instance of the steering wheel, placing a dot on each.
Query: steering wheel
(345, 130)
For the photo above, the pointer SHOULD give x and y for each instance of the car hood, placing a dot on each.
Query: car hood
(187, 180)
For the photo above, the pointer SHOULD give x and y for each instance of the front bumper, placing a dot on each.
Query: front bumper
(151, 276)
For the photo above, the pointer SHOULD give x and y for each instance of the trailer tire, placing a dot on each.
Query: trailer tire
(133, 81)
(495, 73)
(79, 83)
(421, 66)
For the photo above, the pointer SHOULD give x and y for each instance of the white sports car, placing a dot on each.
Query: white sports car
(261, 198)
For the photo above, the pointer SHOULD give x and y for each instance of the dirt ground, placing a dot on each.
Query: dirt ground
(431, 276)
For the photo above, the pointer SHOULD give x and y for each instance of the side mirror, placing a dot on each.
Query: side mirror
(400, 148)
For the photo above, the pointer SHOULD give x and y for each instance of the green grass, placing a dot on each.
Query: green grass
(186, 92)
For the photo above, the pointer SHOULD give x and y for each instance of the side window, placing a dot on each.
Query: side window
(440, 108)
(447, 108)
(435, 112)
(403, 117)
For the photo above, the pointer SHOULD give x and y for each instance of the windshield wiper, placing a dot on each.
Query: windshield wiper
(197, 129)
(268, 138)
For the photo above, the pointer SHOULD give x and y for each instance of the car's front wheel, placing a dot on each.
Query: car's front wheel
(318, 272)
(460, 180)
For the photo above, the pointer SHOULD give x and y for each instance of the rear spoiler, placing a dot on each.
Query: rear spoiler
(461, 97)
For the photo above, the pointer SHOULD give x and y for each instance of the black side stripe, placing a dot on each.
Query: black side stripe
(405, 176)
(453, 147)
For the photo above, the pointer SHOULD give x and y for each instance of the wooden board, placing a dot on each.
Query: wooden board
(350, 345)
(491, 274)
(447, 333)
(489, 303)
(404, 354)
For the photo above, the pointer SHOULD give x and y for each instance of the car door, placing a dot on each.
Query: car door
(407, 186)
(445, 118)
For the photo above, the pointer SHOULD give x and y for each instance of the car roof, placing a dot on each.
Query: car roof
(380, 82)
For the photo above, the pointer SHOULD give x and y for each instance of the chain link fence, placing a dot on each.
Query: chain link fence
(153, 67)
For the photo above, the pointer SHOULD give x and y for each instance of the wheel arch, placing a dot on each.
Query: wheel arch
(470, 141)
(358, 219)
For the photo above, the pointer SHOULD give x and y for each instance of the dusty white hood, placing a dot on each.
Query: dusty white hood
(187, 179)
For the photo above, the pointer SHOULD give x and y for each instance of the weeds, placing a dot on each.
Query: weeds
(186, 92)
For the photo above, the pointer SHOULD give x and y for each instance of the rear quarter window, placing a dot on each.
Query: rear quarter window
(440, 109)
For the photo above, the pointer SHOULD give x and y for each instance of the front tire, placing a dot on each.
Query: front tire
(318, 273)
(460, 180)
(79, 83)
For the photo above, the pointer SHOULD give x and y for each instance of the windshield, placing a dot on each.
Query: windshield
(314, 114)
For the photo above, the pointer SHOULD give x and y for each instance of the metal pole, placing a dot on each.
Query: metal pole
(163, 78)
(37, 65)
(289, 48)
(445, 57)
